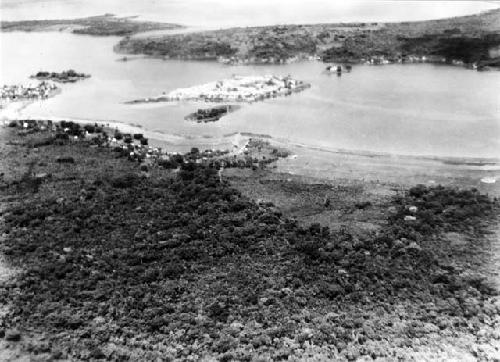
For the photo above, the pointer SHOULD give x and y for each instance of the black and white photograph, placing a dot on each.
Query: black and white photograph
(249, 180)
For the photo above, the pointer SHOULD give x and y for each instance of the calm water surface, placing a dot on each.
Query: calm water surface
(412, 109)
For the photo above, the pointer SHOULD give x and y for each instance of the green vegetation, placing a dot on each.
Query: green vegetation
(468, 39)
(129, 262)
(466, 49)
(184, 46)
(266, 44)
(67, 76)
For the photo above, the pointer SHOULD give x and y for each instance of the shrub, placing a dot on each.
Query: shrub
(309, 247)
(89, 128)
(168, 164)
(125, 181)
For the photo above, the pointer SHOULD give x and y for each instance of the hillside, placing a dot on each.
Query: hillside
(468, 39)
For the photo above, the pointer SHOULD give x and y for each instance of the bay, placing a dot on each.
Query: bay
(418, 109)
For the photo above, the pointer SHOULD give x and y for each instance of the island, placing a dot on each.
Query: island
(68, 76)
(467, 40)
(103, 25)
(211, 114)
(236, 89)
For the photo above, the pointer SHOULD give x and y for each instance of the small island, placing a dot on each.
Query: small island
(68, 76)
(236, 89)
(211, 114)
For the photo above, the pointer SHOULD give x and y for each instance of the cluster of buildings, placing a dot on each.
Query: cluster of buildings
(382, 59)
(246, 60)
(236, 89)
(435, 59)
(256, 153)
(38, 91)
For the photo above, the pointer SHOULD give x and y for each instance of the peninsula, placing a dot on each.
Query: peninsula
(235, 89)
(473, 39)
(103, 25)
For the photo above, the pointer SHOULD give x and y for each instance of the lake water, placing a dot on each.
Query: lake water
(419, 109)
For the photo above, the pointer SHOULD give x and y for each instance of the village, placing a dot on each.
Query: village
(255, 154)
(42, 90)
(236, 89)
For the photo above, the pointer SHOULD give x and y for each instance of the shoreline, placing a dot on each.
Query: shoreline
(230, 49)
(11, 112)
(317, 161)
(333, 42)
(322, 162)
(122, 243)
(326, 166)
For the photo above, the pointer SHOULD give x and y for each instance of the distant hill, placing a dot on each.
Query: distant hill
(468, 39)
(104, 25)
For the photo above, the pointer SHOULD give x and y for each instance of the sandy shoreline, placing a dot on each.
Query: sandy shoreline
(321, 162)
